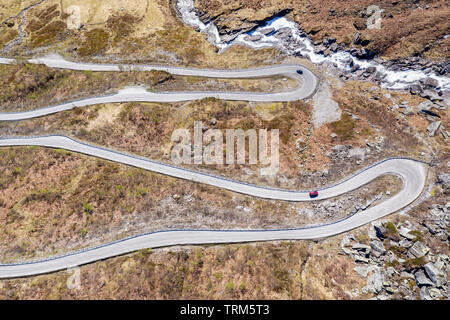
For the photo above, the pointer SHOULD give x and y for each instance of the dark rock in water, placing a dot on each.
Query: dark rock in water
(267, 31)
(228, 37)
(371, 70)
(319, 50)
(349, 62)
(379, 76)
(284, 30)
(334, 47)
(355, 68)
(378, 60)
(415, 89)
(283, 33)
(430, 83)
(363, 54)
(255, 37)
(443, 71)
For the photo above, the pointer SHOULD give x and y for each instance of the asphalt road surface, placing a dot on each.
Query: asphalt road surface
(412, 173)
(307, 85)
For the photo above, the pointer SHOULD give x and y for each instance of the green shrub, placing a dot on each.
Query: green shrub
(344, 127)
(87, 208)
(415, 263)
(283, 123)
(229, 286)
(96, 41)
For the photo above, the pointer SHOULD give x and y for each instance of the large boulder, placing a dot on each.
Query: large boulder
(433, 273)
(405, 232)
(433, 127)
(418, 249)
(377, 247)
(422, 279)
(375, 281)
(361, 270)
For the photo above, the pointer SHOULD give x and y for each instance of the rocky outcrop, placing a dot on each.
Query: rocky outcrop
(418, 273)
(433, 128)
(234, 17)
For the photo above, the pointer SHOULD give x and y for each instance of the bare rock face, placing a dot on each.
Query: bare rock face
(418, 249)
(422, 279)
(434, 273)
(235, 17)
(433, 128)
(377, 247)
(375, 281)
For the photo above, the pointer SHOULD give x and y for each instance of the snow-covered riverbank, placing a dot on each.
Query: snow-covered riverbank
(285, 34)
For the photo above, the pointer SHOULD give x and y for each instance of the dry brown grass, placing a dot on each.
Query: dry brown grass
(27, 86)
(145, 31)
(259, 271)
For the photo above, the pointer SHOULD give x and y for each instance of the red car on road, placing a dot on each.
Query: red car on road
(313, 194)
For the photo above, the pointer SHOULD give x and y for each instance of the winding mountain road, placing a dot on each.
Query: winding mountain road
(307, 85)
(413, 173)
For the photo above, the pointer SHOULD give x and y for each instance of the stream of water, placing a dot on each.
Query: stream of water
(299, 43)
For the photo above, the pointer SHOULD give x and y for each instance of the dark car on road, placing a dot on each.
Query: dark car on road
(313, 194)
(299, 71)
